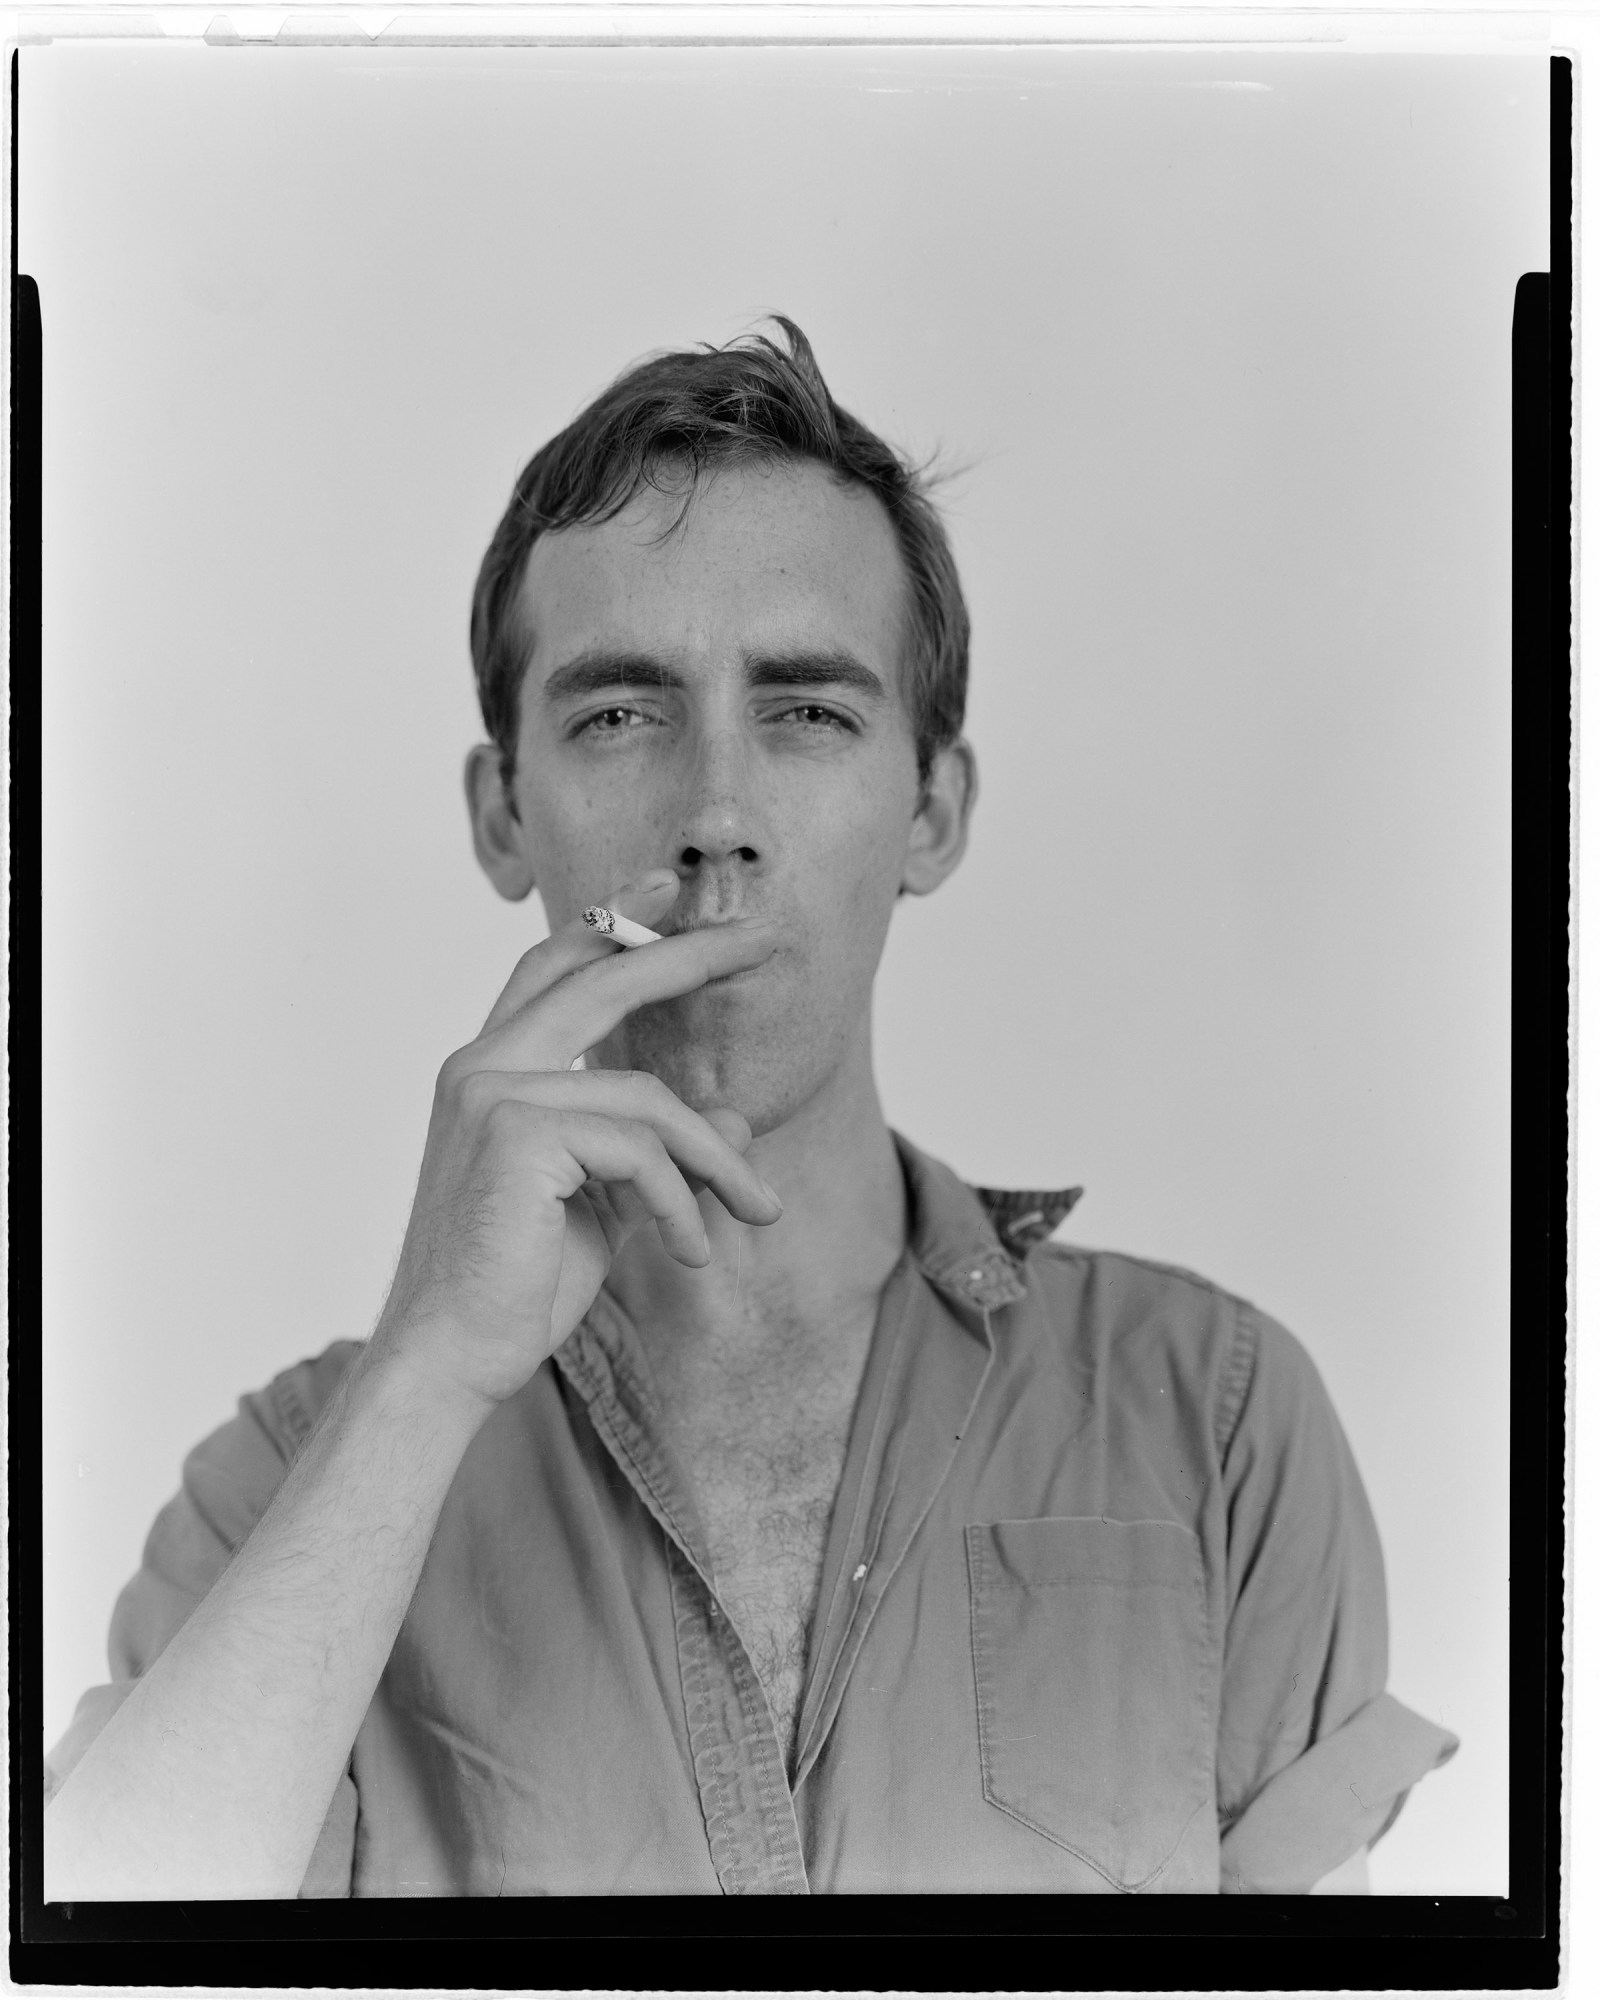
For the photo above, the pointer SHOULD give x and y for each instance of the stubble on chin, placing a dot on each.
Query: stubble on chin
(711, 1061)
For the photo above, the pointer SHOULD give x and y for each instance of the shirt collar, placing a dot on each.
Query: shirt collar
(972, 1241)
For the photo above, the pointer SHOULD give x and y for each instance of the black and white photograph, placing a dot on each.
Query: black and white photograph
(777, 963)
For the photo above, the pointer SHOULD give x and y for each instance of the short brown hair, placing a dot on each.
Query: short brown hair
(692, 412)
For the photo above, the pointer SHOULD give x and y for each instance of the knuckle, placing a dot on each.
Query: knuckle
(654, 1089)
(658, 1104)
(455, 1068)
(643, 1136)
(479, 1094)
(506, 1119)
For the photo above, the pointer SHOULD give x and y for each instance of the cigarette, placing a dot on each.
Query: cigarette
(620, 929)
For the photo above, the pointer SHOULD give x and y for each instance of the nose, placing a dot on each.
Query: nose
(720, 824)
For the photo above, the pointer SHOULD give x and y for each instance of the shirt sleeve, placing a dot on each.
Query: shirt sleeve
(228, 1481)
(1314, 1759)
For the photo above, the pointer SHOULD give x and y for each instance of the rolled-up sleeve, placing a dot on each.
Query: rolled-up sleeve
(1314, 1758)
(228, 1481)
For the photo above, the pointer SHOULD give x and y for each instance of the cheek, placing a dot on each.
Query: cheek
(860, 853)
(582, 843)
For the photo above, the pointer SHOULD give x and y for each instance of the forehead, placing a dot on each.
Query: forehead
(767, 557)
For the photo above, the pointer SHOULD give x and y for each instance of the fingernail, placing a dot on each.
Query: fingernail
(771, 1193)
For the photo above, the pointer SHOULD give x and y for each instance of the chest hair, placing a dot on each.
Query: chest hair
(763, 1435)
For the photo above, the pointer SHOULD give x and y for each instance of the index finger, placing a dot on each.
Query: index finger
(646, 901)
(582, 1008)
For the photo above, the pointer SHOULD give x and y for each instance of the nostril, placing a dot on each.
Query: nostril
(692, 857)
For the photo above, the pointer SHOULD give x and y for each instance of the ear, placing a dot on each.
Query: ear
(497, 836)
(939, 831)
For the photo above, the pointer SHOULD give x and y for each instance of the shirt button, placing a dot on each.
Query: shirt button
(975, 1276)
(859, 1572)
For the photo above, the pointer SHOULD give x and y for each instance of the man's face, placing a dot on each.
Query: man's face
(724, 698)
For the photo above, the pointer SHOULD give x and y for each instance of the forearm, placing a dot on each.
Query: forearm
(214, 1777)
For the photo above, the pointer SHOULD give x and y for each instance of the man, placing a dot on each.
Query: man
(728, 1499)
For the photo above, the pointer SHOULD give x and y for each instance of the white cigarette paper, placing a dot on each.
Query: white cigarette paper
(622, 929)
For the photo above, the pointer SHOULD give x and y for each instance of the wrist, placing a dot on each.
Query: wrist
(398, 1374)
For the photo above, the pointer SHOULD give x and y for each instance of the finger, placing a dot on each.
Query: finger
(646, 899)
(733, 1125)
(621, 1152)
(582, 1008)
(735, 1128)
(702, 1153)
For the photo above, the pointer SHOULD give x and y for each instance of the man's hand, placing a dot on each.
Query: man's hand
(214, 1776)
(535, 1174)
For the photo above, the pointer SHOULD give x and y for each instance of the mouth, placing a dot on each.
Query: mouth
(676, 921)
(671, 929)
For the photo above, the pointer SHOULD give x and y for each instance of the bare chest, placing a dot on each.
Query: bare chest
(765, 1459)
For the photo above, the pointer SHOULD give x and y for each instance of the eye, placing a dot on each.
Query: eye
(614, 721)
(816, 715)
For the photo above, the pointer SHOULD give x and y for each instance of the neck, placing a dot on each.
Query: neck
(823, 1263)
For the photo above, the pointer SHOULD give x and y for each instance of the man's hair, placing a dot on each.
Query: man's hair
(678, 417)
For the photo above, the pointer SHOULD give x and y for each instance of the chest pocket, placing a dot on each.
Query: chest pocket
(1090, 1647)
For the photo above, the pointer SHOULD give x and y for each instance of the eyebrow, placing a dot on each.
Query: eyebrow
(599, 670)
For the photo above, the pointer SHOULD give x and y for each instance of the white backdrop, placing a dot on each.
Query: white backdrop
(1223, 346)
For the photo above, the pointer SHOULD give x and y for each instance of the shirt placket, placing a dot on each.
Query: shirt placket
(937, 1360)
(738, 1766)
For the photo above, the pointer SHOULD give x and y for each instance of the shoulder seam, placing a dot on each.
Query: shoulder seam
(1196, 1278)
(1236, 1380)
(1239, 1368)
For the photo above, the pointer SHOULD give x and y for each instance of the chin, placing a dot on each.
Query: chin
(764, 1072)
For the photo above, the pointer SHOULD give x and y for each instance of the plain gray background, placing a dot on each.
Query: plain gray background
(1222, 343)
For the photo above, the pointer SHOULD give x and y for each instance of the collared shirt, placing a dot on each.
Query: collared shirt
(1101, 1608)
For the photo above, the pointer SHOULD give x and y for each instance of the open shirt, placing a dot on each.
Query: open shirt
(1102, 1608)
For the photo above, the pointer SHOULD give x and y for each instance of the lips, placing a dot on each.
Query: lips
(681, 929)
